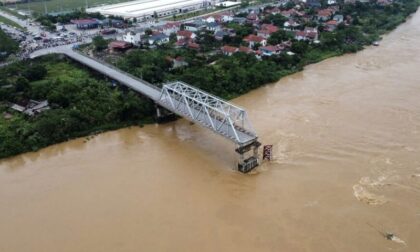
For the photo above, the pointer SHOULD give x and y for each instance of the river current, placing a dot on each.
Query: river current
(346, 171)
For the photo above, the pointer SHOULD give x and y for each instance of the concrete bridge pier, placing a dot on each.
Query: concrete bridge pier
(248, 156)
(163, 115)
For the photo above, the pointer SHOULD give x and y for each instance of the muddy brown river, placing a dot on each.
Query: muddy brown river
(346, 136)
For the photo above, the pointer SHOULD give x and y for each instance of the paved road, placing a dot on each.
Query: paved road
(126, 79)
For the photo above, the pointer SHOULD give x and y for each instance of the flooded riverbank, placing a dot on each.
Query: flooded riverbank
(346, 135)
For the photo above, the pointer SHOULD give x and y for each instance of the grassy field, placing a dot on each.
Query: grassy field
(10, 22)
(12, 12)
(62, 5)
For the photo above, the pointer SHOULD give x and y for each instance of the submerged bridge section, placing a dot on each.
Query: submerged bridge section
(200, 107)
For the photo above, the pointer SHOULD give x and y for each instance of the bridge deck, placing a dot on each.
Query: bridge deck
(242, 137)
(124, 78)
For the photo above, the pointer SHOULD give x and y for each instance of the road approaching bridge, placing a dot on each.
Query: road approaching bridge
(222, 117)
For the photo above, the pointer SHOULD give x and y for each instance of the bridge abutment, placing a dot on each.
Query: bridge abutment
(163, 115)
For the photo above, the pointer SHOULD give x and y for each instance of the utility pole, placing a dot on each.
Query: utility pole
(87, 4)
(45, 8)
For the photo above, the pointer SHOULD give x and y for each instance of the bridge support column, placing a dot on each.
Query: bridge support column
(248, 162)
(163, 115)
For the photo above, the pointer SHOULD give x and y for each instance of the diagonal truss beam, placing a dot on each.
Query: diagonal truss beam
(208, 110)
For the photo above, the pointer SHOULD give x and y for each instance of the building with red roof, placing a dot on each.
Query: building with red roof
(266, 30)
(254, 39)
(119, 45)
(229, 50)
(86, 23)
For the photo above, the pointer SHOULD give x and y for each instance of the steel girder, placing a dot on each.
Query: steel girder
(209, 111)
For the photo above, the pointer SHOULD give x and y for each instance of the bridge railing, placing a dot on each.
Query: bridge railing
(119, 70)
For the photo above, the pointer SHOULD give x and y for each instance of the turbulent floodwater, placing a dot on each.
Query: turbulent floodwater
(346, 135)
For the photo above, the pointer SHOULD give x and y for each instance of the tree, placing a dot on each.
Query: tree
(148, 32)
(100, 43)
(279, 36)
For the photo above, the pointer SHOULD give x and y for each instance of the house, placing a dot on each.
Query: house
(213, 27)
(158, 39)
(32, 107)
(226, 18)
(185, 35)
(273, 11)
(338, 18)
(181, 43)
(220, 34)
(229, 50)
(86, 23)
(270, 50)
(252, 18)
(119, 45)
(238, 20)
(309, 33)
(300, 35)
(132, 37)
(117, 23)
(331, 2)
(290, 25)
(291, 13)
(209, 19)
(253, 40)
(195, 25)
(194, 46)
(331, 25)
(324, 14)
(179, 62)
(384, 2)
(266, 30)
(245, 49)
(169, 28)
(313, 3)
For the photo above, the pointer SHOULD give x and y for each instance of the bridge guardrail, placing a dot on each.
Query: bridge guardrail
(119, 70)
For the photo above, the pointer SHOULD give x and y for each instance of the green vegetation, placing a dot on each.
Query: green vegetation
(12, 12)
(100, 43)
(235, 75)
(10, 22)
(7, 45)
(80, 105)
(224, 76)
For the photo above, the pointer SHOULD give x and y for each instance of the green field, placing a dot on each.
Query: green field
(61, 5)
(10, 22)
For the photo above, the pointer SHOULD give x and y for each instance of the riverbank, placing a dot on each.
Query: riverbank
(80, 103)
(74, 115)
(346, 139)
(231, 74)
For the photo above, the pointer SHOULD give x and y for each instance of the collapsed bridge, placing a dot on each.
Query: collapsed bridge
(209, 111)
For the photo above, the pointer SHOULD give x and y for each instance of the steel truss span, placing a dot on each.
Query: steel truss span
(209, 111)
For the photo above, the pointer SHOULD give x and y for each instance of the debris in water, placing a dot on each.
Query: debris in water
(393, 237)
(388, 235)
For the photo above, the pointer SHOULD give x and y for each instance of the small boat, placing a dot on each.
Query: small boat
(375, 43)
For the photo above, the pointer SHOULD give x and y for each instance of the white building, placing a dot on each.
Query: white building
(147, 9)
(132, 37)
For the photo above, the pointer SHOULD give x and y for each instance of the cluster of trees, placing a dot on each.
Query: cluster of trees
(81, 104)
(7, 45)
(224, 76)
(237, 74)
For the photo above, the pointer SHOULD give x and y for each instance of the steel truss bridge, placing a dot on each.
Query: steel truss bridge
(209, 111)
